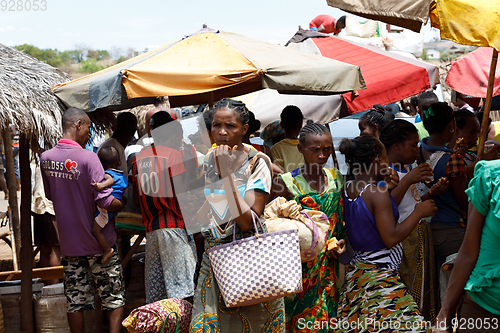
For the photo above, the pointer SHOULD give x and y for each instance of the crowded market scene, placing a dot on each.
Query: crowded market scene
(342, 179)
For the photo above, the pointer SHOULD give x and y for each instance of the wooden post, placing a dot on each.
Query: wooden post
(26, 241)
(11, 180)
(487, 106)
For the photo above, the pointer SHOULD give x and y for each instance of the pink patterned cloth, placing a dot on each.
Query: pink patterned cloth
(150, 317)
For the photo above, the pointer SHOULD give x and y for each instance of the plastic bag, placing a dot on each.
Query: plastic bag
(313, 225)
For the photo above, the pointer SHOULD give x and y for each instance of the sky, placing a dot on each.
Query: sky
(146, 24)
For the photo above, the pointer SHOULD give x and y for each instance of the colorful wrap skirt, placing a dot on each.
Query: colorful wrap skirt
(374, 299)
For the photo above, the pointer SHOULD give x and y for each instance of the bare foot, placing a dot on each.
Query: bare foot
(106, 255)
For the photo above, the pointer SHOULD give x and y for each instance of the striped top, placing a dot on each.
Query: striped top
(364, 236)
(152, 170)
(254, 174)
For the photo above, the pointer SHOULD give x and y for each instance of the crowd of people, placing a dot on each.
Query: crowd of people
(413, 196)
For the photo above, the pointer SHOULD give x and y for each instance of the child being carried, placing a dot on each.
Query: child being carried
(117, 180)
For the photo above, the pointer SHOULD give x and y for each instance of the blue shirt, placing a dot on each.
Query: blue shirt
(121, 182)
(447, 212)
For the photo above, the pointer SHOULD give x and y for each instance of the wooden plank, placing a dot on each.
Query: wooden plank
(44, 273)
(133, 248)
(27, 323)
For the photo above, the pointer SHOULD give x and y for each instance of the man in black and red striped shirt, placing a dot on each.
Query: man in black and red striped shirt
(170, 257)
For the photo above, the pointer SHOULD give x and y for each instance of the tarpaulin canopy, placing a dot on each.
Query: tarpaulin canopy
(267, 105)
(469, 75)
(409, 14)
(206, 67)
(462, 21)
(468, 22)
(389, 77)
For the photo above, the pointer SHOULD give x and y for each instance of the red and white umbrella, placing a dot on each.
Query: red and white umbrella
(389, 77)
(469, 75)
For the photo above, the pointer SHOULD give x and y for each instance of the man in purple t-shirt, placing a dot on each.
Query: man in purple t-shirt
(68, 173)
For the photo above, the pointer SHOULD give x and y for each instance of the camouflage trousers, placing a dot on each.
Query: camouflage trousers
(83, 275)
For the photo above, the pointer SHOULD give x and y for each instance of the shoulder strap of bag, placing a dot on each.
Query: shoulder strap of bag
(255, 156)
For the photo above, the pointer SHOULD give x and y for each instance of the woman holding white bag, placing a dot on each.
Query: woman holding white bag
(315, 188)
(246, 176)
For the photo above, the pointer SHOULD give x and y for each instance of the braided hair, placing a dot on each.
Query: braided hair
(376, 116)
(208, 116)
(462, 117)
(238, 106)
(436, 117)
(360, 151)
(396, 131)
(312, 128)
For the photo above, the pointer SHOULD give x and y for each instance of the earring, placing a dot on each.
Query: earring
(452, 130)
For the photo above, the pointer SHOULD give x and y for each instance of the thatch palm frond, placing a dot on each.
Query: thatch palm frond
(26, 97)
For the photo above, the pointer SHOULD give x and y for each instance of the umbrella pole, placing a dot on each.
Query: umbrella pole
(211, 102)
(489, 95)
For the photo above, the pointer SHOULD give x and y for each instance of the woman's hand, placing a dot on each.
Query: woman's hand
(426, 208)
(336, 253)
(490, 154)
(440, 187)
(460, 147)
(421, 173)
(391, 180)
(228, 159)
(441, 324)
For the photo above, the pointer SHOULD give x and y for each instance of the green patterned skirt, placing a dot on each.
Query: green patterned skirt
(374, 299)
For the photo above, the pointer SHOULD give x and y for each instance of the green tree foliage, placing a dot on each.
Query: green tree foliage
(77, 55)
(90, 66)
(82, 59)
(97, 55)
(424, 55)
(49, 56)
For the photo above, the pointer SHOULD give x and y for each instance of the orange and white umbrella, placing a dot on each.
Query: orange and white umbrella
(206, 67)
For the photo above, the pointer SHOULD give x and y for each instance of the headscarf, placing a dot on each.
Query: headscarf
(272, 130)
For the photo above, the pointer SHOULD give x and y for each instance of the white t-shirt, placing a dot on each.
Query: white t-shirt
(410, 199)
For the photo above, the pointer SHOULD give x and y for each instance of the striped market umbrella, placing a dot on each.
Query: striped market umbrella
(389, 77)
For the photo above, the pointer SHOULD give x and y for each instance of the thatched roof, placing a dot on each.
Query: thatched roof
(26, 98)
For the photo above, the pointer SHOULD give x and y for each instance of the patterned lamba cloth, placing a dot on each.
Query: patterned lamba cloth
(150, 317)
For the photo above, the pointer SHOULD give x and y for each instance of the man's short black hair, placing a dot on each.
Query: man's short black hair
(126, 124)
(160, 118)
(342, 20)
(291, 117)
(426, 99)
(71, 116)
